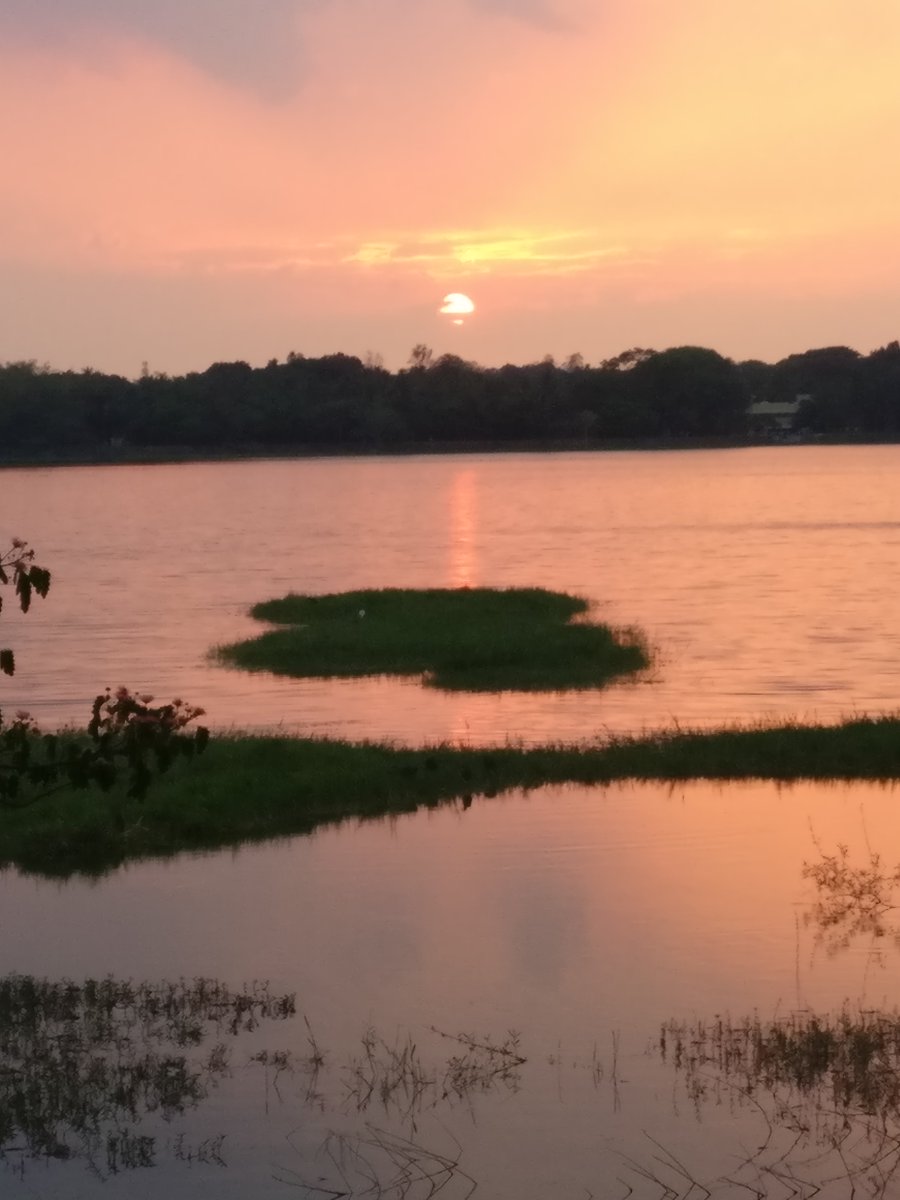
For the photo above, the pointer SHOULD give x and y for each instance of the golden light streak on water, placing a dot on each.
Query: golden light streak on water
(463, 528)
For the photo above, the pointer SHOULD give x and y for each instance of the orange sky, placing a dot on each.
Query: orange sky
(260, 176)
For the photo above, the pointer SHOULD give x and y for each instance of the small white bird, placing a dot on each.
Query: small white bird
(362, 613)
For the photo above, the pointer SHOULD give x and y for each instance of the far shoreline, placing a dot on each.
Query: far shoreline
(126, 456)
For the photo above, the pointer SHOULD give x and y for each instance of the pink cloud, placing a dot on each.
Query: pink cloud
(249, 45)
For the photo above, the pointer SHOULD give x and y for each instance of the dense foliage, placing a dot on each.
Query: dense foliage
(341, 401)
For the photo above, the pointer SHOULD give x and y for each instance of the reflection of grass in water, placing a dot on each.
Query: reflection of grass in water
(396, 1076)
(247, 788)
(402, 1084)
(382, 1165)
(86, 1069)
(469, 639)
(851, 900)
(84, 1064)
(826, 1088)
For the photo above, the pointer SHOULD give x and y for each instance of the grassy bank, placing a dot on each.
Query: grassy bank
(253, 788)
(472, 639)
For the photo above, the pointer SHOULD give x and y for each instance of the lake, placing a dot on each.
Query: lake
(567, 993)
(766, 579)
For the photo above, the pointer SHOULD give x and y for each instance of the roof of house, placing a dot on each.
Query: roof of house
(774, 408)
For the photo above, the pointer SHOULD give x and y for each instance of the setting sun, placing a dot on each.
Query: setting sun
(456, 306)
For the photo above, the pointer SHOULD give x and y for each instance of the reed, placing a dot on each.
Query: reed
(825, 1089)
(98, 1071)
(103, 1073)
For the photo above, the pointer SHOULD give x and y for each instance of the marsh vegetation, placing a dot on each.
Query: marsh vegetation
(248, 788)
(98, 1071)
(824, 1090)
(104, 1073)
(457, 639)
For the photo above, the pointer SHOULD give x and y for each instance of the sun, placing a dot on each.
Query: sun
(456, 306)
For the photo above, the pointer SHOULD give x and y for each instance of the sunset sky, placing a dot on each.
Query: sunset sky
(185, 181)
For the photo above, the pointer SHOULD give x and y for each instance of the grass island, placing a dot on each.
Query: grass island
(457, 639)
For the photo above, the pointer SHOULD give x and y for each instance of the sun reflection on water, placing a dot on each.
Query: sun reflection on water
(463, 525)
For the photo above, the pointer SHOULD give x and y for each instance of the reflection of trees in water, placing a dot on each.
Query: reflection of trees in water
(84, 1064)
(826, 1090)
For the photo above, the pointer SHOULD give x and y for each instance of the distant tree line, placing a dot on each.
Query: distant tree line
(340, 401)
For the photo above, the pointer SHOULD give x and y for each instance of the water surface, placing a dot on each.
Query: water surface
(766, 578)
(564, 927)
(581, 920)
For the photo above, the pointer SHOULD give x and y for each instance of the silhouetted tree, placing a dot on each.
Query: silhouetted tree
(879, 392)
(692, 392)
(421, 357)
(627, 359)
(340, 400)
(758, 379)
(829, 379)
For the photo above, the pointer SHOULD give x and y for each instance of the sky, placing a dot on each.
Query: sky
(191, 181)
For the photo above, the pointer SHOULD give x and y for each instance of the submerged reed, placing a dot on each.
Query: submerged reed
(85, 1065)
(825, 1088)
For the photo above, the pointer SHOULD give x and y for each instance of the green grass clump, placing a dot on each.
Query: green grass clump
(458, 639)
(246, 789)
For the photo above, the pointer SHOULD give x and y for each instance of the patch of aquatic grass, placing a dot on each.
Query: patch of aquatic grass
(458, 639)
(858, 748)
(826, 1088)
(251, 788)
(89, 1067)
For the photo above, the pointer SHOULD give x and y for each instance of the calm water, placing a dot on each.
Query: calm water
(766, 578)
(430, 954)
(581, 920)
